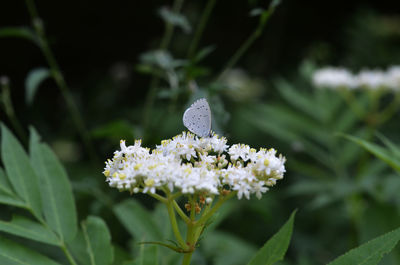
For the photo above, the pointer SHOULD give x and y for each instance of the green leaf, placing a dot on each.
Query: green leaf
(225, 248)
(203, 53)
(371, 252)
(13, 200)
(291, 119)
(299, 100)
(162, 59)
(175, 19)
(137, 221)
(276, 247)
(5, 185)
(345, 120)
(58, 201)
(98, 241)
(376, 150)
(18, 32)
(283, 130)
(12, 253)
(7, 195)
(148, 255)
(392, 147)
(24, 227)
(20, 172)
(79, 249)
(120, 255)
(328, 103)
(33, 81)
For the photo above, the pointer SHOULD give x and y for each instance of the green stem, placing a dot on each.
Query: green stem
(169, 28)
(186, 258)
(195, 228)
(68, 255)
(181, 213)
(247, 44)
(158, 197)
(218, 204)
(200, 29)
(9, 109)
(59, 78)
(208, 207)
(152, 92)
(61, 242)
(190, 235)
(374, 96)
(175, 195)
(174, 224)
(193, 200)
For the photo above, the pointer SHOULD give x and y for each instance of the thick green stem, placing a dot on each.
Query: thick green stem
(200, 29)
(59, 79)
(195, 228)
(174, 225)
(190, 235)
(186, 258)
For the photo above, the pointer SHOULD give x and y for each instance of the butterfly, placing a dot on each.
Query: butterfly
(197, 118)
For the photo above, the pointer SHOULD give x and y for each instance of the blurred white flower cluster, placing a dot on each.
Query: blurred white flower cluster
(193, 165)
(336, 78)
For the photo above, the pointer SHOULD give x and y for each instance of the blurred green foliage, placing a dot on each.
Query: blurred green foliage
(345, 195)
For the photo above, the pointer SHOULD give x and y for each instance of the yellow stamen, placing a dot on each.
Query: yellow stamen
(149, 182)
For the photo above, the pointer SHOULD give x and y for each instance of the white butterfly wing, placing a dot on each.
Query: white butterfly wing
(197, 118)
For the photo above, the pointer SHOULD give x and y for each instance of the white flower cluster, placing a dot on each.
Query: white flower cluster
(335, 78)
(189, 164)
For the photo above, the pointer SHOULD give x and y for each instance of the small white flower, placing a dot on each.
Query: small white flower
(239, 151)
(259, 189)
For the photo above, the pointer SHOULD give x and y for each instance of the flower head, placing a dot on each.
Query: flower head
(334, 77)
(193, 165)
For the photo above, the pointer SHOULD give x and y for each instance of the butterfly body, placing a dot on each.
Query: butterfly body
(197, 118)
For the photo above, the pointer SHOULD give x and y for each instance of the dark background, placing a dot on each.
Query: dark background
(89, 38)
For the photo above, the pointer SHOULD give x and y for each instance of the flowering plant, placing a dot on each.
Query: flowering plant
(205, 171)
(342, 78)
